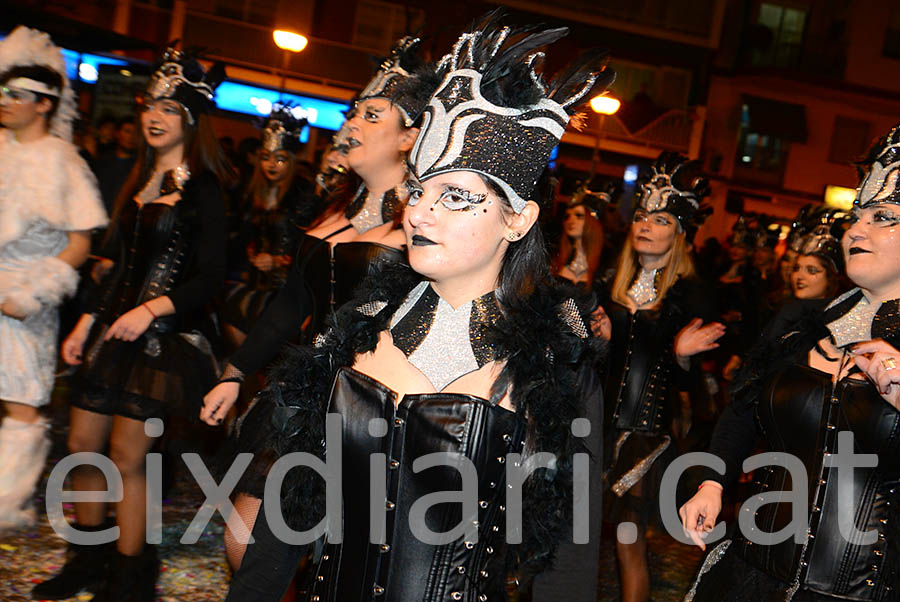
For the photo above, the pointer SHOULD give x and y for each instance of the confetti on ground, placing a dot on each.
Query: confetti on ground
(194, 573)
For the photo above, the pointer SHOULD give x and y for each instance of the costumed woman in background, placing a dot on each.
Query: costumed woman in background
(467, 352)
(659, 318)
(48, 204)
(339, 247)
(581, 244)
(818, 271)
(280, 204)
(145, 350)
(815, 377)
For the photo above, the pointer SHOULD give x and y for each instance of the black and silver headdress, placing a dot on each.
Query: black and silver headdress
(677, 186)
(880, 172)
(494, 115)
(595, 201)
(824, 239)
(179, 77)
(282, 130)
(392, 74)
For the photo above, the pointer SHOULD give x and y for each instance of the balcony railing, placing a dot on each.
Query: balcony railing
(673, 130)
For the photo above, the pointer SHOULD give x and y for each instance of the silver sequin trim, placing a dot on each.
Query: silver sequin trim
(637, 473)
(643, 291)
(411, 298)
(572, 317)
(370, 214)
(711, 559)
(446, 353)
(579, 263)
(372, 308)
(856, 324)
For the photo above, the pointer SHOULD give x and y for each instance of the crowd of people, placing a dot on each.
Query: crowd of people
(343, 329)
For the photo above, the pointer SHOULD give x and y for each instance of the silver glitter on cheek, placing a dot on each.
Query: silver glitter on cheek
(855, 325)
(643, 291)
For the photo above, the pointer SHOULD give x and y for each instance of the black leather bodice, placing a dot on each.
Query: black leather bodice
(800, 415)
(155, 245)
(399, 566)
(331, 275)
(274, 232)
(638, 382)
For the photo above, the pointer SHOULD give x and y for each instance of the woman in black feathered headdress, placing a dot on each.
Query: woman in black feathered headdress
(143, 347)
(822, 382)
(468, 355)
(659, 318)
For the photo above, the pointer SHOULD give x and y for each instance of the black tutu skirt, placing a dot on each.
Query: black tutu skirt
(632, 481)
(244, 304)
(726, 577)
(158, 375)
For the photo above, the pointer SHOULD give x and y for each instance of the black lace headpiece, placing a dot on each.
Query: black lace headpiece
(677, 186)
(880, 172)
(180, 77)
(282, 130)
(494, 115)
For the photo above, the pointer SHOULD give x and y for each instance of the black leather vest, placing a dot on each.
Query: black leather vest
(400, 567)
(800, 415)
(640, 370)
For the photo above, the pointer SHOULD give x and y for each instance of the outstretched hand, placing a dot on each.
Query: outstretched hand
(696, 338)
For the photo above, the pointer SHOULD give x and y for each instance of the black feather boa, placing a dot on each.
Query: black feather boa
(543, 358)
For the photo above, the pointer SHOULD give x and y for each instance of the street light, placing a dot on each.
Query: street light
(602, 105)
(605, 105)
(288, 41)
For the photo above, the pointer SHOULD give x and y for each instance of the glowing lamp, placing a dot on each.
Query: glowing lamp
(289, 40)
(605, 105)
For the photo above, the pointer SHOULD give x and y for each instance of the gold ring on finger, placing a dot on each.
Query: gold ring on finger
(889, 363)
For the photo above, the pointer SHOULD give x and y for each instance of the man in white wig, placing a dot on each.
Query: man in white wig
(48, 205)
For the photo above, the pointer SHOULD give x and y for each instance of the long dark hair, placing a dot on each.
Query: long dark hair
(526, 262)
(201, 149)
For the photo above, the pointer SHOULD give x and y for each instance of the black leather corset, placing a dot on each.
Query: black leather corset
(639, 377)
(332, 275)
(155, 250)
(799, 415)
(398, 566)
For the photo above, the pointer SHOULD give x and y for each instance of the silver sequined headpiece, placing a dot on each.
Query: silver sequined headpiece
(392, 73)
(881, 183)
(676, 187)
(486, 118)
(282, 130)
(181, 78)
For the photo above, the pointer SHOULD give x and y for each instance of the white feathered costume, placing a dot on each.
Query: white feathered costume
(46, 190)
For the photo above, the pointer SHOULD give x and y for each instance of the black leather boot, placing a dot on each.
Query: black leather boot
(85, 569)
(131, 578)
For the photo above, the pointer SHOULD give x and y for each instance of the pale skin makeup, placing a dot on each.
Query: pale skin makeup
(25, 113)
(871, 246)
(378, 144)
(809, 279)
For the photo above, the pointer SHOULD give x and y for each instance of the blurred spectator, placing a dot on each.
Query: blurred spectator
(227, 144)
(112, 168)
